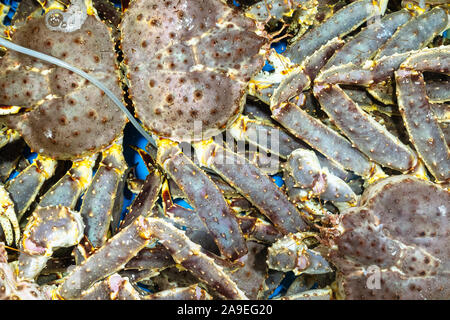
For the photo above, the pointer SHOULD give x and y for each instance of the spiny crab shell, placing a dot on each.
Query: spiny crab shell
(400, 234)
(69, 117)
(188, 62)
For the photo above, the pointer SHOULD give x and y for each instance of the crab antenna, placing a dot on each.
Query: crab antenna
(10, 45)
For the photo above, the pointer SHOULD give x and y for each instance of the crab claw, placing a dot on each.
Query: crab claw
(291, 254)
(305, 169)
(48, 229)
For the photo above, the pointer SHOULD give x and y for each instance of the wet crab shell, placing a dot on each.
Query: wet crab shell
(189, 63)
(70, 117)
(399, 234)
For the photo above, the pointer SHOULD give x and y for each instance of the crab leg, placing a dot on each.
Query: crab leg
(156, 259)
(292, 85)
(98, 202)
(273, 281)
(322, 138)
(366, 75)
(116, 214)
(189, 255)
(193, 292)
(146, 199)
(188, 220)
(304, 167)
(265, 135)
(108, 259)
(206, 198)
(258, 230)
(438, 91)
(135, 275)
(313, 209)
(431, 60)
(278, 141)
(413, 35)
(236, 170)
(8, 136)
(113, 287)
(300, 77)
(9, 158)
(368, 135)
(445, 127)
(24, 188)
(441, 111)
(312, 131)
(8, 219)
(253, 110)
(289, 81)
(315, 62)
(362, 47)
(250, 272)
(428, 138)
(422, 124)
(363, 99)
(13, 288)
(416, 33)
(252, 228)
(48, 229)
(268, 163)
(341, 23)
(68, 189)
(291, 254)
(315, 294)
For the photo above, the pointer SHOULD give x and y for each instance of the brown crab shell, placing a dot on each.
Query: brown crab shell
(399, 233)
(189, 63)
(75, 118)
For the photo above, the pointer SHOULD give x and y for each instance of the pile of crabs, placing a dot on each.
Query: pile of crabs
(354, 115)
